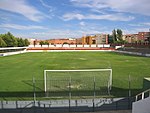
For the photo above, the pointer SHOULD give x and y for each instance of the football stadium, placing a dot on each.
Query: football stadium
(74, 56)
(77, 75)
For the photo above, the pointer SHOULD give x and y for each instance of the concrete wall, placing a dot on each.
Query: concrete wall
(13, 50)
(37, 45)
(86, 45)
(12, 53)
(31, 45)
(72, 45)
(44, 45)
(8, 48)
(65, 50)
(106, 45)
(133, 53)
(67, 45)
(141, 106)
(59, 45)
(51, 46)
(93, 45)
(79, 45)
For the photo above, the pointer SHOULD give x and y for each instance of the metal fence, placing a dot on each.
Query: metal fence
(71, 102)
(74, 105)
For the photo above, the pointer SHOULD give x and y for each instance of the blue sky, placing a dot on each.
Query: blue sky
(47, 19)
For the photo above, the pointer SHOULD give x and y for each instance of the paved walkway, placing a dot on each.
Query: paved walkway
(39, 111)
(116, 111)
(101, 105)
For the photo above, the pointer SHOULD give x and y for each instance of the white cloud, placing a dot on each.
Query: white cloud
(112, 17)
(142, 29)
(147, 23)
(71, 16)
(94, 4)
(135, 30)
(135, 25)
(57, 33)
(140, 24)
(131, 6)
(47, 6)
(68, 33)
(21, 27)
(94, 29)
(21, 7)
(82, 23)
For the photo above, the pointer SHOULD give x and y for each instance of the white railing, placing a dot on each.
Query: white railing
(6, 51)
(6, 48)
(142, 95)
(142, 103)
(78, 45)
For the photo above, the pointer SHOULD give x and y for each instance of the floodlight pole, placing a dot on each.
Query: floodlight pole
(129, 99)
(94, 94)
(110, 79)
(129, 86)
(34, 94)
(149, 39)
(69, 93)
(45, 78)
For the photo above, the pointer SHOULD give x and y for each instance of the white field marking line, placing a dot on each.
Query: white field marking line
(79, 70)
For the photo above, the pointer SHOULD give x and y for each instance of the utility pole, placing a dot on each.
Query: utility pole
(70, 94)
(149, 39)
(129, 98)
(34, 94)
(94, 93)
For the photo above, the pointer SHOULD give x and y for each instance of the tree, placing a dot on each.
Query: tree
(21, 42)
(149, 37)
(34, 43)
(41, 43)
(114, 36)
(110, 39)
(2, 43)
(10, 40)
(65, 43)
(26, 42)
(119, 35)
(47, 43)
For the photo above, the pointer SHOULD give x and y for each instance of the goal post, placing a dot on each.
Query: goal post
(101, 76)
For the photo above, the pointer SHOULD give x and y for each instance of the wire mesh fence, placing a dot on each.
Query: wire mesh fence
(65, 94)
(77, 84)
(77, 88)
(74, 105)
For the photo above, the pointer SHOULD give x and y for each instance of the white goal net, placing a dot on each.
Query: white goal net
(86, 80)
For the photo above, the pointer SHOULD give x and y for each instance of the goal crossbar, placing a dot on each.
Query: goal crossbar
(83, 70)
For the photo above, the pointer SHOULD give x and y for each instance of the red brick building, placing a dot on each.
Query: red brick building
(131, 38)
(143, 36)
(96, 39)
(62, 41)
(57, 41)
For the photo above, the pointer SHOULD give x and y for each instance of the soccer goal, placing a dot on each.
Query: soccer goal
(77, 80)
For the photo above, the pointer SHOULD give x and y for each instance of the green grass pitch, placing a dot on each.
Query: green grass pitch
(16, 71)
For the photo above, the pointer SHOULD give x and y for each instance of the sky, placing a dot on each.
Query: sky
(49, 19)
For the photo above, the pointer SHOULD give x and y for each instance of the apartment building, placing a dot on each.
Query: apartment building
(95, 39)
(62, 41)
(143, 36)
(130, 38)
